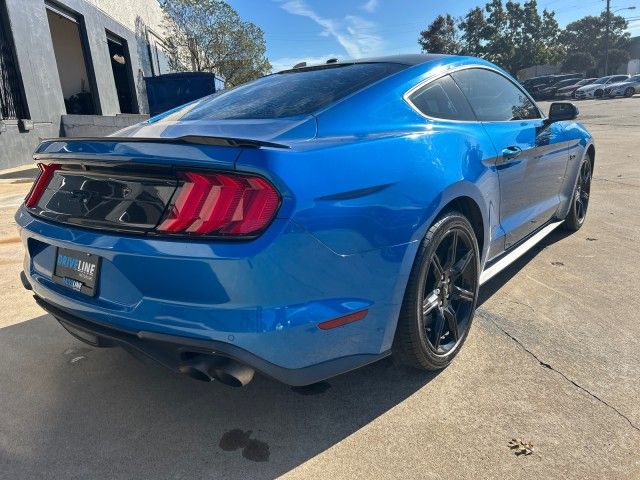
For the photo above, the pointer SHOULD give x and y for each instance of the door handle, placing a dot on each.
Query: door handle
(511, 152)
(508, 154)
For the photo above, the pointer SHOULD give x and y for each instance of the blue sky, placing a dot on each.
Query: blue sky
(315, 30)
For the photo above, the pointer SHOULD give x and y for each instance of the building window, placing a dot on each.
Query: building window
(12, 104)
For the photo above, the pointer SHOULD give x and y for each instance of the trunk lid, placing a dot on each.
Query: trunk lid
(276, 130)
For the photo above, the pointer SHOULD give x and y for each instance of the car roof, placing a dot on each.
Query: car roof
(408, 59)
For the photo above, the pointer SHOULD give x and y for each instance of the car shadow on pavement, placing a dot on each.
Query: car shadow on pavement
(72, 411)
(25, 174)
(496, 283)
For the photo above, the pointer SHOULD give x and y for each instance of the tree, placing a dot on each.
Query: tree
(510, 34)
(210, 36)
(578, 62)
(517, 36)
(441, 36)
(589, 33)
(617, 59)
(550, 32)
(473, 26)
(498, 47)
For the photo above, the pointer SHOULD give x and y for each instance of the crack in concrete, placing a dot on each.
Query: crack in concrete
(490, 317)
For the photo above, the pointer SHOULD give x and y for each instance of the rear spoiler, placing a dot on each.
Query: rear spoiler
(187, 139)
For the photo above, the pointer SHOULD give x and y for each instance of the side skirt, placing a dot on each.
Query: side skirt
(490, 272)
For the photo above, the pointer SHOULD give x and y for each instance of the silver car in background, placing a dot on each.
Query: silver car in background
(596, 89)
(627, 88)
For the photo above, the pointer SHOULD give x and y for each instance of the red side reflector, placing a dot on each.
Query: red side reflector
(337, 322)
(221, 204)
(39, 186)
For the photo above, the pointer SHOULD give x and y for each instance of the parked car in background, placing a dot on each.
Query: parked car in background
(534, 82)
(570, 90)
(596, 89)
(292, 226)
(540, 83)
(549, 93)
(627, 88)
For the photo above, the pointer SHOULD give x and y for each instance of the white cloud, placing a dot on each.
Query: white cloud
(286, 63)
(356, 35)
(363, 32)
(370, 6)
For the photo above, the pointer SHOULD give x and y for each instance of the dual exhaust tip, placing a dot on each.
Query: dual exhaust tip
(208, 368)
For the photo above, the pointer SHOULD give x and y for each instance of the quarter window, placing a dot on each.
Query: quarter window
(493, 97)
(442, 99)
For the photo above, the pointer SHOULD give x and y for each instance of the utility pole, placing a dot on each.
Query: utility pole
(606, 38)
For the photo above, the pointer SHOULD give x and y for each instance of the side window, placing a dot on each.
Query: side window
(442, 99)
(493, 97)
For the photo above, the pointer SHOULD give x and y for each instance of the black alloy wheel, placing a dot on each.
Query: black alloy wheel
(581, 196)
(582, 191)
(449, 291)
(441, 295)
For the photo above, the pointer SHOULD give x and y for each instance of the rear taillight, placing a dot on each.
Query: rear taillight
(39, 186)
(220, 204)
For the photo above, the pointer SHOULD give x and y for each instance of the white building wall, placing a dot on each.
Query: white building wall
(131, 12)
(147, 20)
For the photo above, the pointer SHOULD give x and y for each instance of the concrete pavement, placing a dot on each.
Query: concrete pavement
(553, 358)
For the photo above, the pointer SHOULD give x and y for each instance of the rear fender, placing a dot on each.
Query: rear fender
(359, 195)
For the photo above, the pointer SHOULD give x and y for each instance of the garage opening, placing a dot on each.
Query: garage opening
(70, 55)
(122, 73)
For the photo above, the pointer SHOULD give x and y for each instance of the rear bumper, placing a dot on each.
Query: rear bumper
(265, 297)
(169, 350)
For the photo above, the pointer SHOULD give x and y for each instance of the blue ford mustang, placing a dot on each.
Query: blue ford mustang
(304, 224)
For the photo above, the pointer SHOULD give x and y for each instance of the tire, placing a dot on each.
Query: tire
(425, 337)
(598, 94)
(580, 199)
(629, 92)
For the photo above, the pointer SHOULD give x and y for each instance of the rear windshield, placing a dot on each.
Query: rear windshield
(287, 94)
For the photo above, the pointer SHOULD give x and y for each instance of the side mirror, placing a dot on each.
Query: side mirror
(559, 111)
